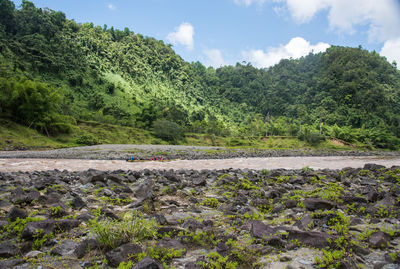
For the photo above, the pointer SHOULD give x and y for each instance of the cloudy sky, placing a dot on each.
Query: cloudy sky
(221, 32)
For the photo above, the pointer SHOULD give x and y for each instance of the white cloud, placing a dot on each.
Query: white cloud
(249, 2)
(391, 50)
(381, 16)
(183, 35)
(111, 7)
(296, 48)
(214, 58)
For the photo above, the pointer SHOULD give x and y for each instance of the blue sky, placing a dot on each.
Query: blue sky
(220, 32)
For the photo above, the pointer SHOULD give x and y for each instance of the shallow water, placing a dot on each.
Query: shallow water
(333, 162)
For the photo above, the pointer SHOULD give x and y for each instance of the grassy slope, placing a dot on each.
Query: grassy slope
(15, 136)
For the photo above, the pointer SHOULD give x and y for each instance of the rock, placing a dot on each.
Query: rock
(85, 217)
(122, 254)
(169, 243)
(33, 254)
(192, 224)
(161, 220)
(290, 203)
(8, 250)
(304, 222)
(3, 223)
(199, 181)
(11, 263)
(144, 191)
(65, 248)
(109, 214)
(372, 196)
(277, 208)
(222, 249)
(96, 176)
(16, 213)
(66, 224)
(171, 176)
(260, 230)
(33, 229)
(373, 166)
(379, 240)
(147, 263)
(318, 204)
(192, 265)
(19, 196)
(116, 178)
(77, 203)
(50, 199)
(172, 231)
(312, 239)
(84, 246)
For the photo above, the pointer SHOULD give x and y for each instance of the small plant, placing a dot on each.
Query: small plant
(132, 228)
(307, 169)
(210, 202)
(56, 211)
(40, 239)
(330, 259)
(164, 255)
(216, 261)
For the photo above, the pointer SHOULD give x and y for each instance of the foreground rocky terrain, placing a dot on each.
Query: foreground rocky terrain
(347, 218)
(171, 152)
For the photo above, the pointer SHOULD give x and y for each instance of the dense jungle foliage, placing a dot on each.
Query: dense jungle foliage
(55, 72)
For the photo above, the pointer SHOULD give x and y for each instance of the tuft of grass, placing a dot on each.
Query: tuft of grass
(113, 233)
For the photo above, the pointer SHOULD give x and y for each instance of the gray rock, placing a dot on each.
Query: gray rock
(260, 230)
(312, 239)
(65, 248)
(33, 254)
(16, 213)
(145, 191)
(8, 250)
(318, 204)
(379, 240)
(37, 228)
(19, 196)
(373, 166)
(66, 224)
(169, 243)
(85, 246)
(147, 263)
(122, 253)
(199, 181)
(77, 203)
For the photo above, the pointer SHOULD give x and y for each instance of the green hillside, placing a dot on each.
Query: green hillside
(56, 73)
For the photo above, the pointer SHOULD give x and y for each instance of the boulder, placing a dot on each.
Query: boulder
(122, 253)
(65, 248)
(147, 263)
(318, 204)
(379, 240)
(311, 239)
(7, 250)
(260, 230)
(33, 229)
(15, 213)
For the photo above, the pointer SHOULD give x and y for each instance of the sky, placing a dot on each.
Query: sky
(260, 32)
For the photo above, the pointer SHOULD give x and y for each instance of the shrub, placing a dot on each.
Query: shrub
(87, 139)
(167, 130)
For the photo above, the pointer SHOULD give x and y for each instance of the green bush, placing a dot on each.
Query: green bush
(87, 139)
(167, 130)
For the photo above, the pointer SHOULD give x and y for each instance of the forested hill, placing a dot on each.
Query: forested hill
(54, 71)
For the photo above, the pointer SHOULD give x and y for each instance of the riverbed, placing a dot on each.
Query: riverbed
(331, 162)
